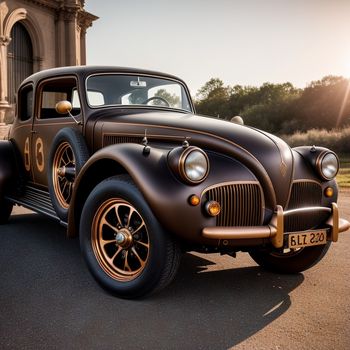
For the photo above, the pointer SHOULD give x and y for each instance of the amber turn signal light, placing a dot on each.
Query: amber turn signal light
(329, 192)
(213, 208)
(194, 200)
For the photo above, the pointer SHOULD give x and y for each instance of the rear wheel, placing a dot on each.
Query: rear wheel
(5, 210)
(123, 244)
(289, 260)
(68, 155)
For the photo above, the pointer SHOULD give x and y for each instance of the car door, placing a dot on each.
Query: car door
(48, 122)
(21, 131)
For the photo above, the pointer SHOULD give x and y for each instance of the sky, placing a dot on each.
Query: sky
(246, 42)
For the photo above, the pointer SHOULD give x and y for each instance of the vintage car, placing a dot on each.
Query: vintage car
(119, 158)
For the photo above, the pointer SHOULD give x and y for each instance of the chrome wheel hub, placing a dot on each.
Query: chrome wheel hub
(124, 238)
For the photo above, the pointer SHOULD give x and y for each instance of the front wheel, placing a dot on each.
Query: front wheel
(122, 242)
(289, 260)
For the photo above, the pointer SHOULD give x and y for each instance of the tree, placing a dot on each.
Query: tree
(271, 107)
(212, 98)
(280, 108)
(325, 103)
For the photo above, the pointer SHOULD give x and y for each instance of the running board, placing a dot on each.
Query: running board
(38, 201)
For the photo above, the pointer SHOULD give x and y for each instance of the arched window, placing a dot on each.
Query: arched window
(20, 59)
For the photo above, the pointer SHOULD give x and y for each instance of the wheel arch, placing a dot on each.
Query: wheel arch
(98, 171)
(107, 162)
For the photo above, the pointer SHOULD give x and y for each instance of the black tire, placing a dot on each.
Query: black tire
(5, 210)
(67, 143)
(289, 262)
(146, 258)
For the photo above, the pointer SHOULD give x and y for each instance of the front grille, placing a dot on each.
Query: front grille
(305, 194)
(241, 204)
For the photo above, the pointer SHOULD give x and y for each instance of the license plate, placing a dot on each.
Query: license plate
(306, 239)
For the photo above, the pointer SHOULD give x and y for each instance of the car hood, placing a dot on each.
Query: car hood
(253, 147)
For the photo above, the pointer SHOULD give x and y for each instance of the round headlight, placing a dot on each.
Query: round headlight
(194, 165)
(328, 165)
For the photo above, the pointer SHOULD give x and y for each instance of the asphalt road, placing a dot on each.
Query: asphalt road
(48, 300)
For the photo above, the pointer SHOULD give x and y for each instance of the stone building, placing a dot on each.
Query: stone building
(35, 35)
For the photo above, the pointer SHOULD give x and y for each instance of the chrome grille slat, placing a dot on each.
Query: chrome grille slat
(241, 204)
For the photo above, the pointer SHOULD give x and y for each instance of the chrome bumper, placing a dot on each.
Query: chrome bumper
(275, 229)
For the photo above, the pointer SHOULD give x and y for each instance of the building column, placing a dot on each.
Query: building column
(84, 22)
(61, 40)
(4, 105)
(83, 46)
(71, 42)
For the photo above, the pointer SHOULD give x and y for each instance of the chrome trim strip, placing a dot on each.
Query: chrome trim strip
(306, 210)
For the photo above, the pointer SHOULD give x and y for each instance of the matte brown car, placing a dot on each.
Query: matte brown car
(119, 157)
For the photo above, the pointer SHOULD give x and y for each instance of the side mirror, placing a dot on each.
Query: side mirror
(63, 107)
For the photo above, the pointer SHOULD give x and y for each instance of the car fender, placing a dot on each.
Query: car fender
(149, 171)
(167, 196)
(8, 167)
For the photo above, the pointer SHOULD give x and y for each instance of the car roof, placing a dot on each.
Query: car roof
(84, 71)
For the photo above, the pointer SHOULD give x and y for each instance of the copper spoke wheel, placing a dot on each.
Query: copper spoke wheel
(63, 173)
(120, 240)
(67, 157)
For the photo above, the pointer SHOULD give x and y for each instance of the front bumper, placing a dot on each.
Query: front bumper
(274, 231)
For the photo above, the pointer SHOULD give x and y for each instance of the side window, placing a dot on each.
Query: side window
(53, 91)
(25, 103)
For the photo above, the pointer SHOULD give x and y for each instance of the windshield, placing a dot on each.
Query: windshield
(126, 90)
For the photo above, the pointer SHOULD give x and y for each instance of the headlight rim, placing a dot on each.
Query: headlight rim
(182, 164)
(319, 161)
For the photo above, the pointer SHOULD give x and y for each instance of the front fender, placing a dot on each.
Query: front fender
(165, 194)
